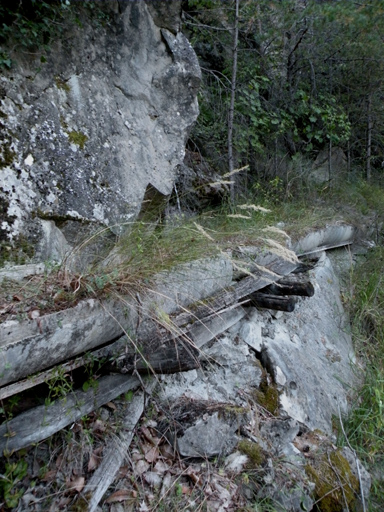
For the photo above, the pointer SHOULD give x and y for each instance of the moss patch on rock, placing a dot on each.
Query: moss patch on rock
(61, 84)
(267, 395)
(335, 484)
(77, 138)
(253, 451)
(7, 155)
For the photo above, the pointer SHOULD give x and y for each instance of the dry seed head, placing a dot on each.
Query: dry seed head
(221, 182)
(274, 229)
(203, 232)
(254, 207)
(238, 216)
(235, 171)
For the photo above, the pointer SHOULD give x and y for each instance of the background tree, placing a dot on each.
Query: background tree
(309, 79)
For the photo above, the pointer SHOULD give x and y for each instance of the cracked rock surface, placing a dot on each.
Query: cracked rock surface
(105, 117)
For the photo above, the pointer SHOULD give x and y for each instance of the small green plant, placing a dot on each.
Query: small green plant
(128, 396)
(8, 407)
(59, 385)
(14, 473)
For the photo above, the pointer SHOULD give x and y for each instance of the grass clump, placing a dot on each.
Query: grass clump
(364, 426)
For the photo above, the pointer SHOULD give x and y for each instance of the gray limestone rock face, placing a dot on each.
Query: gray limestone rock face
(208, 437)
(103, 118)
(309, 353)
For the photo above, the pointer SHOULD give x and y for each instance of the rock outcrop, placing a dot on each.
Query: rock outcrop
(86, 133)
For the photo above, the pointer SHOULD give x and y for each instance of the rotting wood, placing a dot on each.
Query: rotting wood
(291, 287)
(172, 356)
(178, 353)
(226, 298)
(117, 347)
(167, 349)
(41, 422)
(114, 454)
(266, 301)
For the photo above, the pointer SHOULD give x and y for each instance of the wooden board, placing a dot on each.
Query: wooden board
(41, 422)
(114, 453)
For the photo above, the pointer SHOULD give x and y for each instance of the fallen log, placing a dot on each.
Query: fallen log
(116, 347)
(172, 353)
(266, 301)
(161, 354)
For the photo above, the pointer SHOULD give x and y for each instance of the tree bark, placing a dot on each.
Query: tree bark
(232, 104)
(369, 138)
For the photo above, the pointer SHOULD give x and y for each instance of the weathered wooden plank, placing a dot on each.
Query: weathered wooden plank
(41, 422)
(264, 300)
(47, 341)
(260, 279)
(36, 345)
(31, 346)
(174, 353)
(115, 348)
(115, 452)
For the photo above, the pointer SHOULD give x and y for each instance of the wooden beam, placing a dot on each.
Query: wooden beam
(264, 300)
(116, 347)
(260, 279)
(41, 422)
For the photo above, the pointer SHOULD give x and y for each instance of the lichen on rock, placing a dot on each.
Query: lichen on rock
(106, 115)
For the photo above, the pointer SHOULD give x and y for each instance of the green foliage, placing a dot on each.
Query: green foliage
(14, 473)
(308, 78)
(32, 25)
(364, 426)
(59, 385)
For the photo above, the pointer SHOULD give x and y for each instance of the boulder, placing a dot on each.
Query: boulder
(104, 116)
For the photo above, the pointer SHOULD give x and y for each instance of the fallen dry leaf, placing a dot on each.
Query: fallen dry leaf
(185, 489)
(99, 426)
(161, 467)
(17, 298)
(149, 436)
(64, 501)
(50, 475)
(77, 484)
(151, 454)
(93, 462)
(111, 405)
(153, 479)
(35, 313)
(124, 471)
(140, 467)
(167, 451)
(118, 496)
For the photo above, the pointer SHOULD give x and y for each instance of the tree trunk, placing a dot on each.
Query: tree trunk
(369, 138)
(232, 104)
(329, 162)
